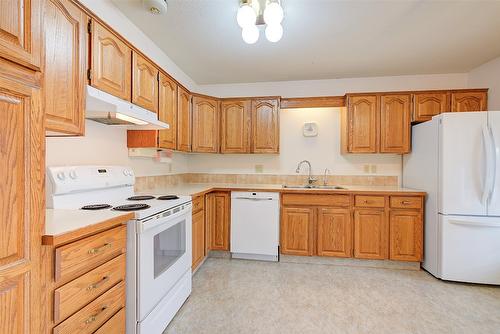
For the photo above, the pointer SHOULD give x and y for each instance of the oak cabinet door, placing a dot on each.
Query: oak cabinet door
(145, 83)
(21, 31)
(370, 234)
(334, 232)
(363, 124)
(198, 238)
(395, 123)
(64, 67)
(167, 112)
(235, 126)
(405, 235)
(111, 63)
(218, 206)
(265, 126)
(469, 101)
(427, 105)
(297, 229)
(205, 125)
(183, 120)
(22, 203)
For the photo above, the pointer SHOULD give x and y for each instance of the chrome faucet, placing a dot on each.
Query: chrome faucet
(325, 181)
(311, 179)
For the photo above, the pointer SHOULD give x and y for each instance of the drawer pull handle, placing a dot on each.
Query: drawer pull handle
(365, 201)
(93, 317)
(405, 202)
(98, 284)
(96, 250)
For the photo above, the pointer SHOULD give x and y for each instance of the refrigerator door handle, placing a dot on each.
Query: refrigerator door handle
(495, 151)
(473, 224)
(489, 179)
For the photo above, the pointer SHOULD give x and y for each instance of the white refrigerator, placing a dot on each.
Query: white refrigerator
(455, 158)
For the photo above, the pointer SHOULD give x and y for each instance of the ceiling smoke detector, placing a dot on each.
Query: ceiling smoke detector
(155, 7)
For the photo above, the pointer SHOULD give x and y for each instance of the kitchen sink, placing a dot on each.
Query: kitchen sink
(311, 186)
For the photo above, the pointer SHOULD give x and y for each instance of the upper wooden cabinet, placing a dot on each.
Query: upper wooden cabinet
(167, 111)
(21, 31)
(473, 100)
(265, 126)
(65, 34)
(235, 126)
(362, 124)
(145, 83)
(183, 120)
(205, 129)
(395, 123)
(429, 104)
(334, 232)
(110, 63)
(297, 231)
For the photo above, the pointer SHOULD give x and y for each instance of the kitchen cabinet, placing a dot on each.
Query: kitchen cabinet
(297, 231)
(405, 237)
(429, 104)
(205, 125)
(370, 234)
(218, 220)
(110, 63)
(235, 126)
(64, 65)
(265, 126)
(144, 83)
(334, 232)
(21, 32)
(183, 120)
(22, 210)
(167, 112)
(362, 123)
(395, 123)
(198, 231)
(471, 100)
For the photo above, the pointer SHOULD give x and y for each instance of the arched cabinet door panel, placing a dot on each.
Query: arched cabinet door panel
(265, 126)
(363, 124)
(205, 125)
(469, 101)
(395, 123)
(145, 83)
(235, 126)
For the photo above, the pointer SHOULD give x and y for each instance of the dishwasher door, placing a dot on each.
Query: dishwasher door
(255, 220)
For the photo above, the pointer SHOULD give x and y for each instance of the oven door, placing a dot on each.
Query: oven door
(163, 257)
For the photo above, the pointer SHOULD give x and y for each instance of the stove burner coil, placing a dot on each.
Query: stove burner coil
(140, 198)
(96, 207)
(168, 197)
(131, 207)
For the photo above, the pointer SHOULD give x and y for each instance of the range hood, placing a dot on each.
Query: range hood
(110, 110)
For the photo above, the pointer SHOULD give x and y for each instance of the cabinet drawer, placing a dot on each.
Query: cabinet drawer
(72, 296)
(369, 201)
(406, 202)
(316, 200)
(81, 256)
(115, 325)
(198, 203)
(92, 316)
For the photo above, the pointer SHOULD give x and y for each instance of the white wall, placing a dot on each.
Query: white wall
(488, 76)
(337, 86)
(322, 151)
(106, 145)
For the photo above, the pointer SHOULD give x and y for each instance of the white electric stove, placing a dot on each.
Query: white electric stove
(158, 238)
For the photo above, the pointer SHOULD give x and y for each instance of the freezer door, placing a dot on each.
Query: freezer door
(470, 249)
(494, 126)
(462, 163)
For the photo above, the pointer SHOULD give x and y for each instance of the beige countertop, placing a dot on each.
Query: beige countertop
(194, 189)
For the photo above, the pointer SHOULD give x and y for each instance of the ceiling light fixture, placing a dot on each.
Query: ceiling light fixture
(253, 13)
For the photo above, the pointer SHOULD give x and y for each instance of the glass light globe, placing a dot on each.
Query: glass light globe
(273, 14)
(250, 34)
(246, 16)
(274, 32)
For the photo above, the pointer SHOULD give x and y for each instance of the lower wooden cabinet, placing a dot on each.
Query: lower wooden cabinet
(370, 234)
(297, 229)
(406, 235)
(218, 220)
(198, 237)
(334, 232)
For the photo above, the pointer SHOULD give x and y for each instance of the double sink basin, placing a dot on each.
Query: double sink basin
(312, 186)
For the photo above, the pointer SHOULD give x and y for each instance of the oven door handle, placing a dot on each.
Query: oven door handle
(164, 218)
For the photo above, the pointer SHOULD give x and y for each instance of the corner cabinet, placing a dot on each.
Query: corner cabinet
(21, 32)
(144, 83)
(205, 129)
(235, 126)
(110, 62)
(184, 120)
(64, 65)
(167, 111)
(265, 126)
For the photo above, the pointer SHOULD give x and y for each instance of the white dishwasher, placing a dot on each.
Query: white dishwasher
(255, 218)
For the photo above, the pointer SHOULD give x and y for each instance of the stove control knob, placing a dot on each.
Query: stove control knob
(61, 176)
(73, 175)
(125, 172)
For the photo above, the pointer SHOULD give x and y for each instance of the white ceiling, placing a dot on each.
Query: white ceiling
(325, 39)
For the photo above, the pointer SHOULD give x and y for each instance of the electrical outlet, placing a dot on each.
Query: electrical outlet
(373, 169)
(259, 168)
(366, 169)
